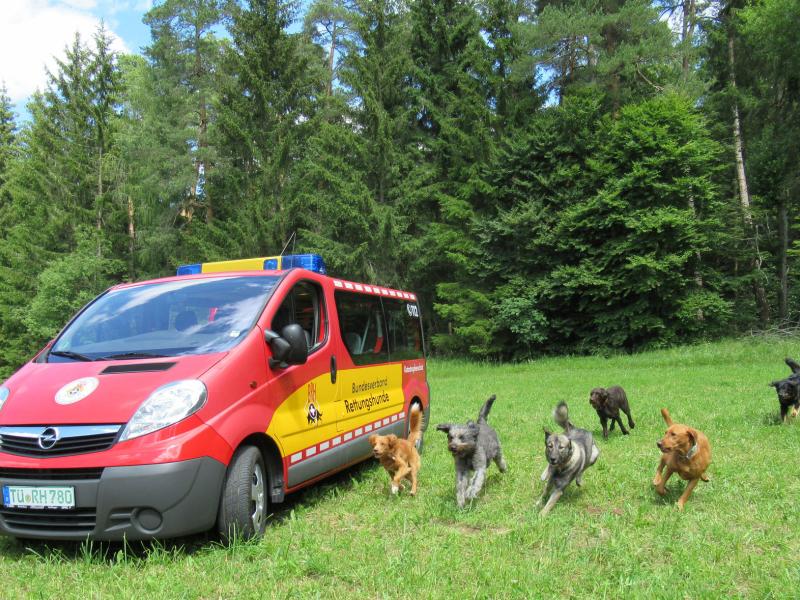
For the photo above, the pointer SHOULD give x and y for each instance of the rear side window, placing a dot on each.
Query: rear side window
(363, 328)
(404, 328)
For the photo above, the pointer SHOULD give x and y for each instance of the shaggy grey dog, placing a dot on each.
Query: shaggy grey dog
(569, 454)
(473, 446)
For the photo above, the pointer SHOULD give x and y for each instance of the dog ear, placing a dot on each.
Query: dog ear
(372, 439)
(690, 433)
(547, 434)
(774, 384)
(391, 439)
(446, 427)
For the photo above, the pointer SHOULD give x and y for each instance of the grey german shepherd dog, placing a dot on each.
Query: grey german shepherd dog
(569, 454)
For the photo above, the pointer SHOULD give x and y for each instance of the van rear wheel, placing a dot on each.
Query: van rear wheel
(243, 508)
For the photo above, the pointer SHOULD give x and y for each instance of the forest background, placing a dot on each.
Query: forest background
(562, 176)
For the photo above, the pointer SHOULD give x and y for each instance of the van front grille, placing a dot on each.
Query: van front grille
(52, 474)
(44, 442)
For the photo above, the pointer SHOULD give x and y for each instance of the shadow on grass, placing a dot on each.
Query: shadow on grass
(176, 548)
(771, 418)
(674, 491)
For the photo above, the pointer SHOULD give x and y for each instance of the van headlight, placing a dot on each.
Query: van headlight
(166, 406)
(4, 392)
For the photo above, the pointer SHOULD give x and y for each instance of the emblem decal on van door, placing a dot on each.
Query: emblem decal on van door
(312, 412)
(77, 390)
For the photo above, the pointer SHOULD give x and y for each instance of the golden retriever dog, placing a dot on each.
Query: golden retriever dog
(685, 451)
(398, 456)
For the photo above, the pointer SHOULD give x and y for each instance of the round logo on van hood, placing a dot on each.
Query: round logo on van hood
(77, 390)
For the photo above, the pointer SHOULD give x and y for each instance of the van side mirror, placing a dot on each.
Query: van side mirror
(288, 348)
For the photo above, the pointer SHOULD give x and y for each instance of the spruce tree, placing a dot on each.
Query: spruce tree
(8, 141)
(266, 106)
(375, 74)
(450, 91)
(58, 186)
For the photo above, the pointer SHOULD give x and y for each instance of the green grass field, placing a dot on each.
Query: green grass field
(348, 538)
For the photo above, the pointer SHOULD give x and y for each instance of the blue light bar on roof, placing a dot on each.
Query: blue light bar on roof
(190, 269)
(311, 262)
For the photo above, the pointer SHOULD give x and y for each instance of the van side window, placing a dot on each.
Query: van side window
(363, 328)
(405, 329)
(303, 305)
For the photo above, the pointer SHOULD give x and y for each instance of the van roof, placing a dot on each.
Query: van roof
(339, 284)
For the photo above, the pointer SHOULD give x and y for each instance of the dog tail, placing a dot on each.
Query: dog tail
(487, 406)
(667, 418)
(792, 365)
(561, 416)
(415, 427)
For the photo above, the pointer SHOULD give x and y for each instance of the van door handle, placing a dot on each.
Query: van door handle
(333, 368)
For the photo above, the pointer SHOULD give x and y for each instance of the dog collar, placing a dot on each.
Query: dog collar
(692, 451)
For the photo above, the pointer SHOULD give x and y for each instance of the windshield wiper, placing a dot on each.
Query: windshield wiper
(124, 355)
(70, 354)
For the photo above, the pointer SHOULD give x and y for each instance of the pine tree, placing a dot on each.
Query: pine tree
(185, 55)
(620, 46)
(327, 22)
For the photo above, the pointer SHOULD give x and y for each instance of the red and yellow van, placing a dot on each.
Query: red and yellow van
(176, 405)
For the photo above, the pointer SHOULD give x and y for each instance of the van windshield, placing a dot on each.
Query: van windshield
(196, 316)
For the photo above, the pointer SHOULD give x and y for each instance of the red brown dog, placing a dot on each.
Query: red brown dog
(685, 451)
(398, 456)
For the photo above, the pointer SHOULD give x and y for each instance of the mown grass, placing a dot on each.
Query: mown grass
(613, 537)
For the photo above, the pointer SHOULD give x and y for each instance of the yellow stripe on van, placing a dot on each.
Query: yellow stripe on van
(359, 398)
(244, 264)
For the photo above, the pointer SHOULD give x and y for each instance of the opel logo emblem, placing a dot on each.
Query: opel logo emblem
(48, 438)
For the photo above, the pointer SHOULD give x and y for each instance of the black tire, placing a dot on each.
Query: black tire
(245, 496)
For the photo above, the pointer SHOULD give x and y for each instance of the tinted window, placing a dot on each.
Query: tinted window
(194, 316)
(363, 328)
(404, 329)
(303, 305)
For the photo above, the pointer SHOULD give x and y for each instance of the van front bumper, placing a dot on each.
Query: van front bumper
(115, 503)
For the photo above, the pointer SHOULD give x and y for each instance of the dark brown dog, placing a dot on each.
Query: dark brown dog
(608, 403)
(684, 451)
(398, 456)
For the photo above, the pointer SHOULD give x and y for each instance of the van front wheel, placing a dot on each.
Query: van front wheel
(243, 508)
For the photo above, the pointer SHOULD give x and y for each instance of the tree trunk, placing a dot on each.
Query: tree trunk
(99, 201)
(687, 33)
(131, 241)
(744, 196)
(201, 169)
(783, 232)
(331, 60)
